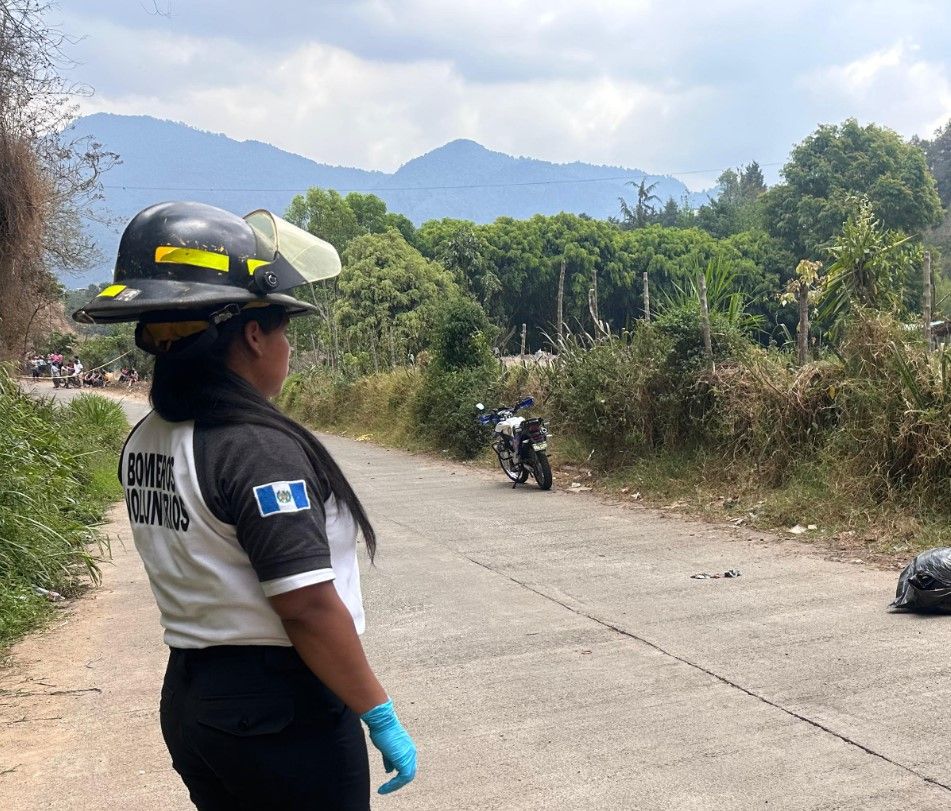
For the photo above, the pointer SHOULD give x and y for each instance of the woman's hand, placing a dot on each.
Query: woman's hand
(394, 743)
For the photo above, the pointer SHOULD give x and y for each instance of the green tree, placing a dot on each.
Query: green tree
(839, 162)
(115, 350)
(938, 155)
(737, 206)
(752, 183)
(388, 293)
(324, 213)
(432, 236)
(369, 212)
(670, 215)
(528, 254)
(462, 335)
(465, 255)
(402, 224)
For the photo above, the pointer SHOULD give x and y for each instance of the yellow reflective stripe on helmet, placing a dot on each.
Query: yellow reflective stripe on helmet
(111, 291)
(168, 254)
(254, 264)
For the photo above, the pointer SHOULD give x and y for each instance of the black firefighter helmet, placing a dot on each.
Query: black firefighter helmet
(180, 261)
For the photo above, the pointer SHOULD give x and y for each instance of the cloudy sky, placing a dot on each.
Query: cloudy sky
(672, 87)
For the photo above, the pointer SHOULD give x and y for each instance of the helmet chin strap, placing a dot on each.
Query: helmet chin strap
(187, 338)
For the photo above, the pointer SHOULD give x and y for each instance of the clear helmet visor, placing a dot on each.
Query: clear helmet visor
(310, 258)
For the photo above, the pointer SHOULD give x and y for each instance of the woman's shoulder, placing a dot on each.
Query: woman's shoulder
(245, 438)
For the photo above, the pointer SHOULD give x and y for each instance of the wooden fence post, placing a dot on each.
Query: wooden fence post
(926, 291)
(561, 304)
(593, 298)
(647, 300)
(524, 332)
(802, 333)
(705, 317)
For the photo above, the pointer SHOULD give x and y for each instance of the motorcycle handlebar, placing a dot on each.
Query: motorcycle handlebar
(501, 413)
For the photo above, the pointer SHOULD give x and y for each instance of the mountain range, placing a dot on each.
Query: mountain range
(166, 160)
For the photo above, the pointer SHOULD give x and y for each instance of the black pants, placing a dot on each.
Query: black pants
(250, 727)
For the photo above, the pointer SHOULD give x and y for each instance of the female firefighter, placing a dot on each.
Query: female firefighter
(246, 525)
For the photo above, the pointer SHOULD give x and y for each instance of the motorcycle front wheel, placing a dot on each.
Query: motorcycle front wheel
(517, 474)
(541, 470)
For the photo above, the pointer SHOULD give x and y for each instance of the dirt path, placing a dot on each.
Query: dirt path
(79, 701)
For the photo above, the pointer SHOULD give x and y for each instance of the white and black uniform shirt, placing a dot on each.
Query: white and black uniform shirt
(224, 517)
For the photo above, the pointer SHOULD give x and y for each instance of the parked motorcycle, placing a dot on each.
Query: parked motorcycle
(521, 444)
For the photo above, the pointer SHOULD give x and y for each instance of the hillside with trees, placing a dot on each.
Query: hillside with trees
(164, 160)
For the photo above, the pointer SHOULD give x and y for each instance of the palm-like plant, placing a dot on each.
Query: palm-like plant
(862, 272)
(640, 215)
(723, 296)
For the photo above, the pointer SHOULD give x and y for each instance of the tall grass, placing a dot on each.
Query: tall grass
(57, 474)
(376, 406)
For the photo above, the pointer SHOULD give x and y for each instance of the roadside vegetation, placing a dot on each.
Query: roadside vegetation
(856, 443)
(815, 403)
(57, 476)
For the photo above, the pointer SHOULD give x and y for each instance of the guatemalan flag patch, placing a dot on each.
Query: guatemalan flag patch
(281, 497)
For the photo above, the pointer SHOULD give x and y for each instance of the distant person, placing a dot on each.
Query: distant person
(245, 523)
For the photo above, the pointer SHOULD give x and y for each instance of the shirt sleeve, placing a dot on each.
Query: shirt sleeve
(259, 480)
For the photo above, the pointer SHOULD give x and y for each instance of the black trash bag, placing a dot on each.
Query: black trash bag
(925, 584)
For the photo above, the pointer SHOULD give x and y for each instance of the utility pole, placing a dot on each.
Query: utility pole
(926, 290)
(647, 300)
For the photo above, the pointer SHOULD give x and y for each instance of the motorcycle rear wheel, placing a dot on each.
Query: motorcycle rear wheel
(519, 474)
(541, 470)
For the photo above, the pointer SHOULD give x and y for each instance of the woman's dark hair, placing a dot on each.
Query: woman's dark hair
(201, 387)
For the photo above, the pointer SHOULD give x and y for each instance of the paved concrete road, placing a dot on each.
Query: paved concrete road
(547, 651)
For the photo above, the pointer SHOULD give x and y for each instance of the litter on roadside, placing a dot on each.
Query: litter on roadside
(52, 596)
(925, 584)
(708, 576)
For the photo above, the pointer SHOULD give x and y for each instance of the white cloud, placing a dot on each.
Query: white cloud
(331, 105)
(893, 86)
(663, 86)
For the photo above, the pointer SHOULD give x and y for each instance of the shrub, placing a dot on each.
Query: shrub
(896, 411)
(461, 373)
(623, 396)
(57, 473)
(770, 412)
(446, 413)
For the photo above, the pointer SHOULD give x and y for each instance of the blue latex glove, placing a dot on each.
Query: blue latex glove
(394, 743)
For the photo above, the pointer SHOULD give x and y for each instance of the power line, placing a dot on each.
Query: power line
(420, 188)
